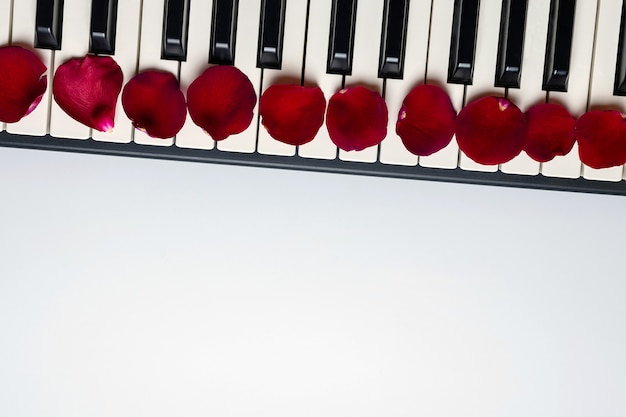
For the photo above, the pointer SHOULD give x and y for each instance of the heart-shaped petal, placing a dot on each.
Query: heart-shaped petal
(22, 82)
(155, 104)
(221, 101)
(426, 120)
(356, 118)
(490, 130)
(549, 131)
(87, 89)
(601, 136)
(292, 114)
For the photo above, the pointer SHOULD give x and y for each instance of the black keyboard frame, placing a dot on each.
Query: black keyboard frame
(336, 165)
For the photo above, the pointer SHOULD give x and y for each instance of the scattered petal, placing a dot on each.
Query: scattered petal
(87, 90)
(426, 120)
(601, 136)
(549, 132)
(356, 118)
(490, 130)
(155, 104)
(22, 82)
(292, 114)
(221, 101)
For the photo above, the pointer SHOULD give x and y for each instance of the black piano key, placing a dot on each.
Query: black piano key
(271, 29)
(103, 23)
(559, 45)
(223, 32)
(341, 39)
(463, 43)
(511, 43)
(620, 71)
(393, 42)
(48, 24)
(175, 29)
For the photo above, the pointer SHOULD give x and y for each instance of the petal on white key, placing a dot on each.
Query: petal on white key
(126, 50)
(437, 73)
(392, 150)
(36, 123)
(603, 75)
(293, 53)
(150, 56)
(315, 73)
(530, 92)
(75, 44)
(575, 99)
(245, 60)
(191, 135)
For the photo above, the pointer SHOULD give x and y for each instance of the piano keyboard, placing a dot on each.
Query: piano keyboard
(565, 51)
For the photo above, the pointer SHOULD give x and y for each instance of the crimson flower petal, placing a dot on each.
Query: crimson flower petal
(490, 130)
(292, 114)
(601, 136)
(549, 132)
(356, 118)
(426, 120)
(155, 104)
(87, 90)
(221, 101)
(22, 82)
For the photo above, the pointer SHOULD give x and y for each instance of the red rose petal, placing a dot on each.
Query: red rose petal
(154, 103)
(356, 118)
(221, 101)
(22, 82)
(426, 120)
(601, 136)
(549, 132)
(490, 130)
(292, 114)
(87, 90)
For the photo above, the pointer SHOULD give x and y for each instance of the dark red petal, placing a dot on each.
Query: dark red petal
(154, 103)
(22, 82)
(221, 101)
(490, 130)
(292, 114)
(549, 132)
(426, 120)
(601, 136)
(356, 118)
(87, 90)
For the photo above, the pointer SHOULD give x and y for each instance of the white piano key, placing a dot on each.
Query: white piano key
(315, 73)
(575, 99)
(603, 75)
(484, 67)
(150, 56)
(75, 44)
(365, 65)
(5, 25)
(126, 50)
(437, 73)
(245, 60)
(293, 52)
(392, 150)
(23, 34)
(530, 92)
(191, 135)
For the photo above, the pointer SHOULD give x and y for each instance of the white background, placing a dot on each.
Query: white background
(132, 287)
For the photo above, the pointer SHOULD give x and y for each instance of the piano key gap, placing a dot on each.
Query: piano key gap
(306, 40)
(430, 27)
(11, 23)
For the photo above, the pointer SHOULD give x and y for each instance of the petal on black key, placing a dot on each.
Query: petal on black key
(223, 32)
(175, 29)
(271, 29)
(620, 70)
(103, 23)
(463, 43)
(393, 42)
(49, 24)
(559, 45)
(341, 40)
(511, 43)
